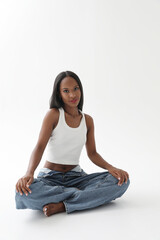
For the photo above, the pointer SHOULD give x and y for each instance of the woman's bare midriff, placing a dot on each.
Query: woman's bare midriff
(58, 167)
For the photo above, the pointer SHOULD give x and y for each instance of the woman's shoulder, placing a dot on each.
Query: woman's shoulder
(88, 117)
(52, 115)
(52, 112)
(89, 120)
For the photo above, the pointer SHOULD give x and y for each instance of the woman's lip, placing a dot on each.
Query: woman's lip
(74, 100)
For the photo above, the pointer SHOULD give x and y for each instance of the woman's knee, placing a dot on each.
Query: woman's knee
(112, 181)
(20, 199)
(115, 180)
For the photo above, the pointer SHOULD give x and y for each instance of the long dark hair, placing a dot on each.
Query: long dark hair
(55, 100)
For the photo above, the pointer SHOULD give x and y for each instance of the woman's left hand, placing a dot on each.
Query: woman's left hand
(121, 175)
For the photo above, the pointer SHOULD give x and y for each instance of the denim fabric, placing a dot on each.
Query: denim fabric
(76, 189)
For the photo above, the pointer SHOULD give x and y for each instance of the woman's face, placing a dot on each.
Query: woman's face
(70, 92)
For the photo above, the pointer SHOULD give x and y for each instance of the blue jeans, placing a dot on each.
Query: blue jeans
(76, 189)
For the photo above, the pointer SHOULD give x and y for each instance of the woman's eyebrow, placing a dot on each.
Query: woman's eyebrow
(74, 86)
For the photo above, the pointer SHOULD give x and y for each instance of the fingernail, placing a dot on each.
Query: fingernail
(45, 209)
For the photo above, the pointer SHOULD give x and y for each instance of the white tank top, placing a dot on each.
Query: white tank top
(65, 143)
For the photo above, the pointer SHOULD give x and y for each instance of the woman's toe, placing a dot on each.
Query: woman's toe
(45, 210)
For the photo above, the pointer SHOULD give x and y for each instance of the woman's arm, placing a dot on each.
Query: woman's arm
(35, 159)
(44, 135)
(96, 158)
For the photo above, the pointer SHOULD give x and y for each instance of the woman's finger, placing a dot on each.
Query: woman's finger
(29, 182)
(121, 178)
(126, 177)
(24, 190)
(19, 190)
(23, 186)
(28, 189)
(116, 175)
(21, 183)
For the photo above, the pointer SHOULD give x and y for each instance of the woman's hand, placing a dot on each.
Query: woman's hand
(23, 184)
(121, 175)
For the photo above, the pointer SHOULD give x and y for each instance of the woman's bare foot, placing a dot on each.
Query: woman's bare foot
(53, 208)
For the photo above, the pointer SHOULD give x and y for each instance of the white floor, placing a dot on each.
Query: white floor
(134, 216)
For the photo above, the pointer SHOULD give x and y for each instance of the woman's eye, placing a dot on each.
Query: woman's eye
(74, 88)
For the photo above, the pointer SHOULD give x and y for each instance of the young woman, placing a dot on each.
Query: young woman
(62, 185)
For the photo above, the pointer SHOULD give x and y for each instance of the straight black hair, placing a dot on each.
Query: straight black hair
(55, 99)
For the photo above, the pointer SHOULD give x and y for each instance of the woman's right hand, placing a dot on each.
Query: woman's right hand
(22, 186)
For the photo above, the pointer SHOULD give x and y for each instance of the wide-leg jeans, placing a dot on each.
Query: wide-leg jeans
(77, 190)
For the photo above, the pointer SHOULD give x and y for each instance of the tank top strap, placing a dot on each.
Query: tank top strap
(61, 116)
(81, 112)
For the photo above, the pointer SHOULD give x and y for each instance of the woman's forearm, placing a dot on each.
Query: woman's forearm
(34, 160)
(99, 161)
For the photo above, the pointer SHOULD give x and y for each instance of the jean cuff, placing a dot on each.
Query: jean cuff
(66, 207)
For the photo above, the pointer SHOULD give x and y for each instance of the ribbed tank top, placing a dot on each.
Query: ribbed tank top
(65, 143)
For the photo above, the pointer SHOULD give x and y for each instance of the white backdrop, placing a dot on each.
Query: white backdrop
(113, 46)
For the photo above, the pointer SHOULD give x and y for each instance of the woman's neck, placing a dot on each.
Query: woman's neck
(73, 112)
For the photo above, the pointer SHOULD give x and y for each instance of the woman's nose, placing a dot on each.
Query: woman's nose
(72, 94)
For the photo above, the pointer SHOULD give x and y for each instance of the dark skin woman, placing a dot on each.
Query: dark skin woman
(70, 95)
